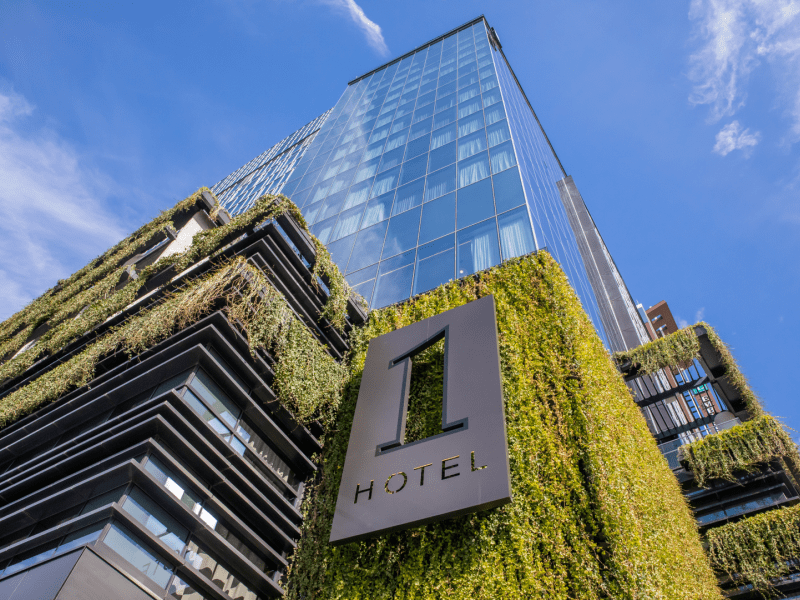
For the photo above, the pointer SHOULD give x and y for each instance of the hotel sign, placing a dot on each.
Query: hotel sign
(387, 484)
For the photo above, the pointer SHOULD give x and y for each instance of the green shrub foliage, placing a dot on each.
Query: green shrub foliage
(683, 346)
(673, 349)
(307, 380)
(596, 511)
(740, 448)
(758, 549)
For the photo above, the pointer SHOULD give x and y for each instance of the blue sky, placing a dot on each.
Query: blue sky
(679, 121)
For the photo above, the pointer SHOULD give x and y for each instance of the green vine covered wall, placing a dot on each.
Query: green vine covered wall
(596, 511)
(307, 379)
(740, 448)
(758, 549)
(682, 346)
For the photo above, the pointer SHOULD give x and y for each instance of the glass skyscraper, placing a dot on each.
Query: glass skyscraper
(431, 168)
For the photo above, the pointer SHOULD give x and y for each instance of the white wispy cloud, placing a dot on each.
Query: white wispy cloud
(733, 137)
(371, 30)
(737, 37)
(51, 210)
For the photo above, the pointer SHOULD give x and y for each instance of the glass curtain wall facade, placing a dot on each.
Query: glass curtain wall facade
(413, 180)
(267, 172)
(428, 169)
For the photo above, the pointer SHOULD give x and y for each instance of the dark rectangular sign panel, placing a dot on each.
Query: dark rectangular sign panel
(388, 485)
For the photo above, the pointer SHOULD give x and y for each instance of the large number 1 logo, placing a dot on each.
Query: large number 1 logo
(388, 484)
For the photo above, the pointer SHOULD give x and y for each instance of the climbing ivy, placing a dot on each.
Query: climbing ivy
(683, 346)
(673, 349)
(740, 448)
(91, 295)
(596, 511)
(85, 299)
(307, 380)
(758, 549)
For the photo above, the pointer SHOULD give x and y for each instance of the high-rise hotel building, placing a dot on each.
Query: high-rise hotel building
(168, 414)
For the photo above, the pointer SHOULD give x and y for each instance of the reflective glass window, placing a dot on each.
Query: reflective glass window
(421, 114)
(396, 140)
(310, 211)
(366, 169)
(508, 192)
(391, 159)
(368, 246)
(427, 86)
(173, 484)
(385, 182)
(365, 289)
(128, 547)
(491, 97)
(503, 157)
(444, 118)
(403, 111)
(426, 99)
(348, 222)
(467, 80)
(340, 249)
(377, 210)
(31, 557)
(447, 77)
(401, 123)
(469, 93)
(329, 170)
(208, 416)
(477, 248)
(445, 103)
(84, 536)
(440, 183)
(473, 169)
(210, 566)
(394, 281)
(408, 196)
(441, 157)
(516, 237)
(467, 108)
(446, 89)
(443, 136)
(319, 191)
(470, 124)
(342, 181)
(414, 169)
(358, 194)
(332, 206)
(155, 519)
(363, 275)
(474, 203)
(184, 591)
(417, 146)
(488, 84)
(495, 113)
(435, 264)
(471, 144)
(421, 128)
(402, 233)
(498, 133)
(438, 218)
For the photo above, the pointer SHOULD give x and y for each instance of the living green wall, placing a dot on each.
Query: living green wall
(596, 511)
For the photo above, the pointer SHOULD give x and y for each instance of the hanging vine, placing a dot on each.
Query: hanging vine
(740, 448)
(759, 549)
(683, 346)
(90, 296)
(250, 299)
(596, 512)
